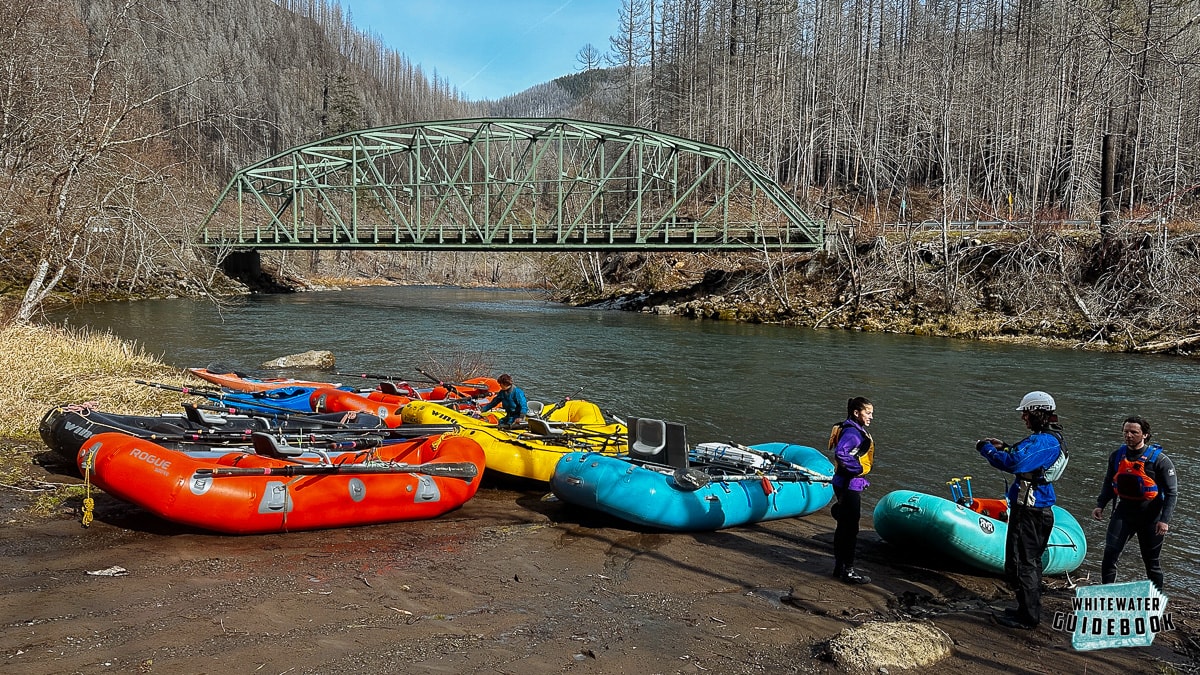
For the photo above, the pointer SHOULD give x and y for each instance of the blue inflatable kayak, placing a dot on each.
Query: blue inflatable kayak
(924, 522)
(293, 399)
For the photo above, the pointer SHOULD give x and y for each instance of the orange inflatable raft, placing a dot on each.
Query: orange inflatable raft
(252, 492)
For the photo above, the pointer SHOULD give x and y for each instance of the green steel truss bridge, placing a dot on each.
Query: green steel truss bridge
(507, 184)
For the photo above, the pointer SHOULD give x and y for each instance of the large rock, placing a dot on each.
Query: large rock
(891, 645)
(317, 358)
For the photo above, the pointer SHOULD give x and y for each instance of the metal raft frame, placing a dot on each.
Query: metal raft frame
(513, 184)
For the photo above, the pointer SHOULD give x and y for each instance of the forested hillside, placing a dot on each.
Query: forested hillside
(999, 108)
(120, 121)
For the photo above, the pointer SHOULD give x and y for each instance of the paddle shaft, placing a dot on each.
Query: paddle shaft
(462, 470)
(286, 415)
(194, 391)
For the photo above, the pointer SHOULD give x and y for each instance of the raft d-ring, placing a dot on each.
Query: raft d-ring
(572, 480)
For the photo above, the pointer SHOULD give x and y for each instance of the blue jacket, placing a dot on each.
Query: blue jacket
(1026, 460)
(513, 400)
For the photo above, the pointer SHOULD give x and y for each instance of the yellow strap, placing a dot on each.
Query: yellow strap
(89, 504)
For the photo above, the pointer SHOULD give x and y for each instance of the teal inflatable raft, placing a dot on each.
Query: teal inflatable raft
(719, 485)
(927, 523)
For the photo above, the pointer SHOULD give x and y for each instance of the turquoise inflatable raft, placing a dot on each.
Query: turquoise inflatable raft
(924, 522)
(720, 485)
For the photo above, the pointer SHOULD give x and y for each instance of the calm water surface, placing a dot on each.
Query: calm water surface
(747, 383)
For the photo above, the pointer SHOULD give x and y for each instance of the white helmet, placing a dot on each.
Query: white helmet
(1036, 400)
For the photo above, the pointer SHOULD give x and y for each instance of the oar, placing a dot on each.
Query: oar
(203, 390)
(256, 407)
(372, 376)
(462, 470)
(210, 394)
(284, 414)
(563, 400)
(418, 430)
(815, 475)
(246, 440)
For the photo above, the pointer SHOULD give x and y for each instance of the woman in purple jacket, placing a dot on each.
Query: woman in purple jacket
(853, 452)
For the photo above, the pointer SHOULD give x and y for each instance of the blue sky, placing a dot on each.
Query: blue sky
(489, 48)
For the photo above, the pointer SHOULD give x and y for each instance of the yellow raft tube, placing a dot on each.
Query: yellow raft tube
(532, 450)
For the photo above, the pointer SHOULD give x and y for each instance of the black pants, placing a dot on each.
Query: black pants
(846, 512)
(1121, 528)
(1029, 531)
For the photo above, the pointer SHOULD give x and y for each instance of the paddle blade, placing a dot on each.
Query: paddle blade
(690, 480)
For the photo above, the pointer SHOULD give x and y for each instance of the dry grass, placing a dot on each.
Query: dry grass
(44, 367)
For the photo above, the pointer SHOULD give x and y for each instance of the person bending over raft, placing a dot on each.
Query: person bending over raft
(512, 398)
(853, 452)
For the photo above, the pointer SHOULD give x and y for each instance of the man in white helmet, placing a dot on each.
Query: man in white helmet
(1030, 498)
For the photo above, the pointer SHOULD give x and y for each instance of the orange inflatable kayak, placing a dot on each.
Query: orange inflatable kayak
(287, 489)
(242, 382)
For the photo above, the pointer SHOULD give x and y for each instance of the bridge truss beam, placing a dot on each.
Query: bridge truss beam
(509, 184)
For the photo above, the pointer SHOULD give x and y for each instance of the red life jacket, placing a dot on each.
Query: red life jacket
(1130, 480)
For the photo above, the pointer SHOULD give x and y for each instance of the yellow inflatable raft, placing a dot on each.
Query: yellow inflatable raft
(531, 450)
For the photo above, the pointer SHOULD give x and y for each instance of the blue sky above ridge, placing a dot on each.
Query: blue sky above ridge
(489, 49)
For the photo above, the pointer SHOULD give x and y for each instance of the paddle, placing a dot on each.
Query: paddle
(454, 386)
(461, 470)
(371, 376)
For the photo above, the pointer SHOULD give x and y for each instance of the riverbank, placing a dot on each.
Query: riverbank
(1133, 292)
(511, 582)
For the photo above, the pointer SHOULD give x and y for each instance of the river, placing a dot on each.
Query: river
(748, 383)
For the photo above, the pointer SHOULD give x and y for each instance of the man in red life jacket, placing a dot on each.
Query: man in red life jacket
(1142, 481)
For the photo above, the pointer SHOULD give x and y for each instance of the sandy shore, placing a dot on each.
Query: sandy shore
(510, 583)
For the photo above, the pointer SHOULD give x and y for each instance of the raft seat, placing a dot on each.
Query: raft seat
(543, 428)
(195, 415)
(268, 446)
(658, 442)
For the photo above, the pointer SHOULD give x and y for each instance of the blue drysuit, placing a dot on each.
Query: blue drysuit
(513, 400)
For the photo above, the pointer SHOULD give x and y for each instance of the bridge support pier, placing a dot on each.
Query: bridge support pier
(246, 266)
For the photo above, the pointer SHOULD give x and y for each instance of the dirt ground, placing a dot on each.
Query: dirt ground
(510, 583)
